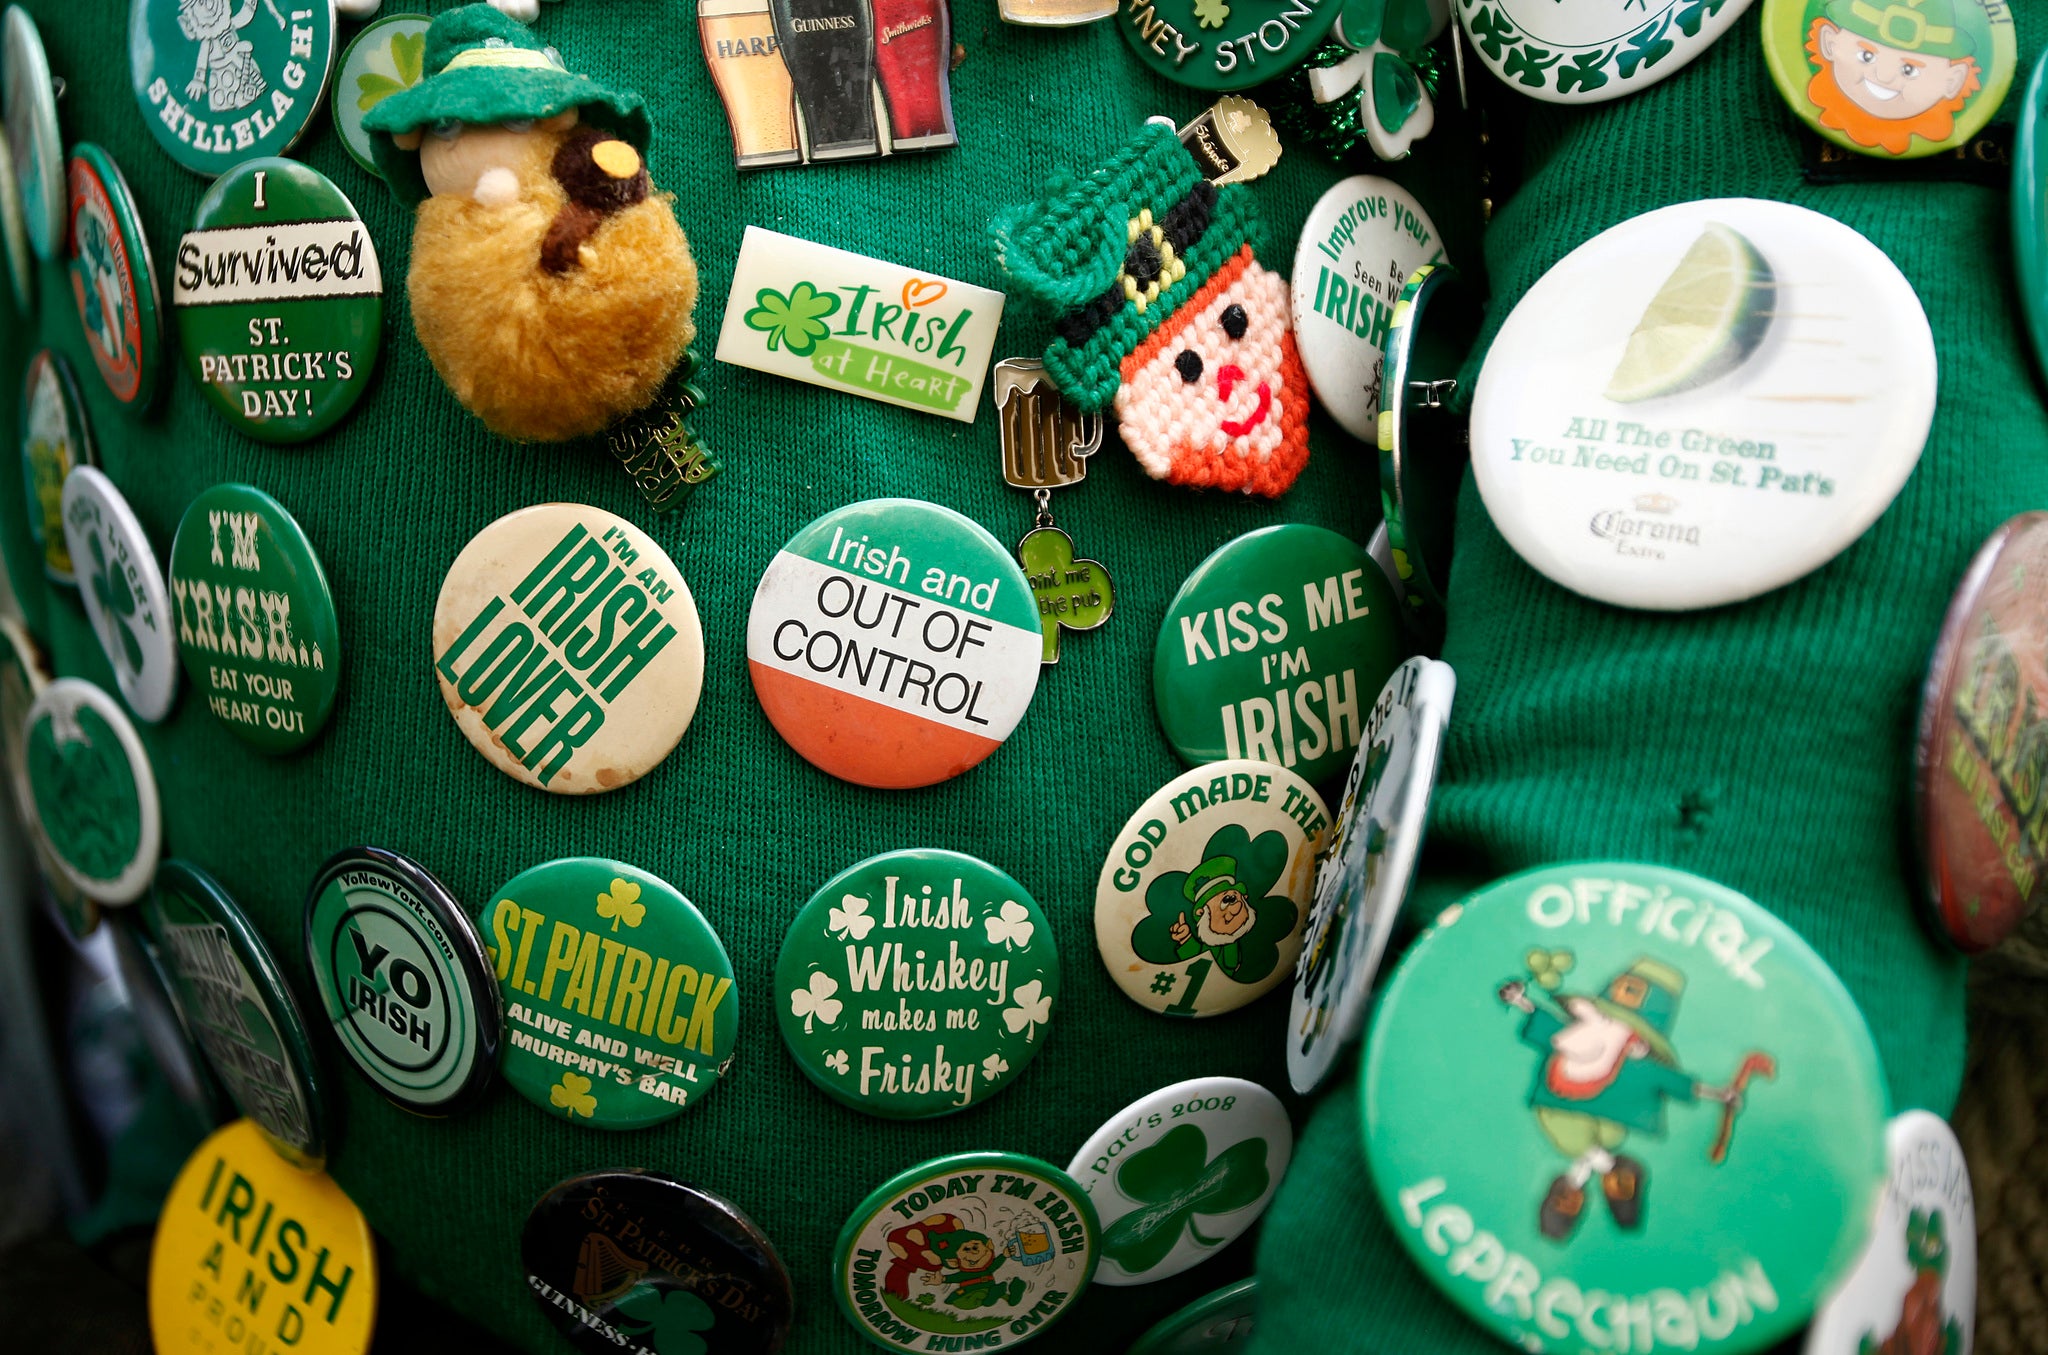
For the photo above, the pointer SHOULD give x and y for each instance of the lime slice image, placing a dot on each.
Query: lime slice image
(1704, 322)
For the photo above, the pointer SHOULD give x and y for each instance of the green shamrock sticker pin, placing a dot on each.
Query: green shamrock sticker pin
(386, 58)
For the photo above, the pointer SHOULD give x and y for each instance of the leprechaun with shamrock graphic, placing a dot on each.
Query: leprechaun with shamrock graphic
(1223, 915)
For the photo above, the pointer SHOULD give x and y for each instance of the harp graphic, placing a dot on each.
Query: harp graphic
(604, 1272)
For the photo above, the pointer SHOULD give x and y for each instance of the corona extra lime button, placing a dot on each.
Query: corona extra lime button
(91, 791)
(989, 1247)
(1891, 78)
(1424, 439)
(236, 1003)
(384, 59)
(113, 281)
(1606, 1102)
(33, 140)
(1272, 649)
(1587, 51)
(267, 660)
(123, 588)
(54, 439)
(619, 1003)
(403, 978)
(634, 1260)
(964, 939)
(219, 84)
(237, 1219)
(1223, 1320)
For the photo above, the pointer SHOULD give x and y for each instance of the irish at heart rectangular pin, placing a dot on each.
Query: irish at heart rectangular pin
(845, 321)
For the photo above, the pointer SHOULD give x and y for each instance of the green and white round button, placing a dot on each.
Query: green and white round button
(123, 587)
(33, 139)
(384, 59)
(113, 280)
(220, 83)
(1892, 78)
(987, 1248)
(256, 622)
(1178, 1175)
(55, 438)
(1271, 648)
(1424, 439)
(280, 301)
(404, 978)
(1607, 1102)
(917, 984)
(1587, 51)
(619, 1004)
(1211, 1323)
(1201, 904)
(23, 676)
(1224, 44)
(92, 792)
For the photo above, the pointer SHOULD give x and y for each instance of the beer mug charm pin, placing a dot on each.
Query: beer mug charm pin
(1046, 446)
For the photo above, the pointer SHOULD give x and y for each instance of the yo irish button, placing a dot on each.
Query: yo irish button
(219, 85)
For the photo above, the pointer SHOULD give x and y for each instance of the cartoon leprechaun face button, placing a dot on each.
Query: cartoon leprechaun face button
(1609, 1103)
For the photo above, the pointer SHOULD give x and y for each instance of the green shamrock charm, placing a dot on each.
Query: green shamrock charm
(1072, 594)
(672, 1321)
(408, 55)
(1175, 1179)
(795, 322)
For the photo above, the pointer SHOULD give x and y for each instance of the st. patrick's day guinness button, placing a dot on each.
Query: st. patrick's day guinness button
(256, 622)
(1587, 51)
(33, 138)
(113, 281)
(1983, 715)
(1362, 882)
(985, 1247)
(1610, 1103)
(894, 643)
(251, 1254)
(1214, 45)
(279, 299)
(1272, 648)
(1223, 1320)
(917, 983)
(1638, 434)
(93, 796)
(54, 439)
(404, 979)
(1201, 903)
(1424, 436)
(123, 588)
(236, 1003)
(1180, 1174)
(218, 87)
(634, 1260)
(619, 1004)
(568, 648)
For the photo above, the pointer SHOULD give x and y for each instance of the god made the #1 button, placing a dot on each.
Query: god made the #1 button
(403, 978)
(219, 83)
(123, 588)
(92, 796)
(894, 643)
(113, 280)
(917, 984)
(1616, 1106)
(977, 1251)
(568, 648)
(256, 622)
(619, 1004)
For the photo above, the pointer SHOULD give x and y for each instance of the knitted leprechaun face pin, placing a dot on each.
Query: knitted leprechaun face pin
(1164, 314)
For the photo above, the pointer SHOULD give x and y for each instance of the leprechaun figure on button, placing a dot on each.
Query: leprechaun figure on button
(1607, 1068)
(550, 285)
(942, 1250)
(1924, 1327)
(1886, 70)
(1223, 915)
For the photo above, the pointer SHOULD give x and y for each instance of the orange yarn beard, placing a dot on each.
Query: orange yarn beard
(541, 357)
(1186, 433)
(1864, 128)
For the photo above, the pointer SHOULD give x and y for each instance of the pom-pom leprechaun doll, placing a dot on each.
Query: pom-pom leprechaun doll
(550, 285)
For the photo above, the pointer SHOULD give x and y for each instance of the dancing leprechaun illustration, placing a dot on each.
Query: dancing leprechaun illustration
(1607, 1068)
(942, 1250)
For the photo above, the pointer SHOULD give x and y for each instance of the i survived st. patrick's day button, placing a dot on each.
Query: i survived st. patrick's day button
(619, 1004)
(220, 84)
(1643, 429)
(568, 648)
(279, 300)
(123, 588)
(92, 796)
(1609, 1103)
(256, 623)
(1201, 904)
(894, 643)
(917, 983)
(113, 280)
(984, 1250)
(1272, 648)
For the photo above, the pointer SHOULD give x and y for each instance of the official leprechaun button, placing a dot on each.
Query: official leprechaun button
(1643, 428)
(917, 983)
(113, 281)
(252, 1255)
(1201, 903)
(1271, 648)
(403, 978)
(894, 643)
(279, 299)
(1424, 436)
(1178, 1175)
(619, 1004)
(1224, 1319)
(92, 793)
(1608, 1102)
(568, 648)
(124, 592)
(1587, 51)
(33, 140)
(1223, 44)
(237, 1005)
(633, 1260)
(1362, 882)
(985, 1247)
(220, 85)
(256, 622)
(54, 439)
